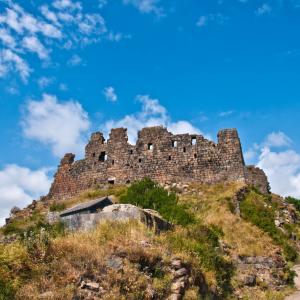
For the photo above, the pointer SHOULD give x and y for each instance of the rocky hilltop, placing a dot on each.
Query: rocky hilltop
(127, 222)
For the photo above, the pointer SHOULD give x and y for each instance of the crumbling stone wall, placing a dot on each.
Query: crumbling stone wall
(157, 154)
(257, 177)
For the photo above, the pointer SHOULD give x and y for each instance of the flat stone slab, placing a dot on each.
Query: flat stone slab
(118, 213)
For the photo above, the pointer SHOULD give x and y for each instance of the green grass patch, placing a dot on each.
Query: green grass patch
(260, 211)
(7, 292)
(202, 242)
(294, 201)
(57, 207)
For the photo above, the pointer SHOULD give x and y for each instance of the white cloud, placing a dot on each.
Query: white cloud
(202, 21)
(12, 90)
(147, 6)
(117, 37)
(60, 125)
(60, 24)
(63, 87)
(102, 3)
(19, 186)
(152, 113)
(263, 10)
(44, 81)
(110, 94)
(66, 4)
(75, 60)
(283, 170)
(277, 139)
(10, 61)
(217, 18)
(226, 113)
(7, 39)
(280, 162)
(32, 44)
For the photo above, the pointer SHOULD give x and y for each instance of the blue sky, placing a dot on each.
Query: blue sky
(68, 68)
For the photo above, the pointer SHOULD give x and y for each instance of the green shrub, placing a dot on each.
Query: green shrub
(259, 211)
(147, 194)
(57, 207)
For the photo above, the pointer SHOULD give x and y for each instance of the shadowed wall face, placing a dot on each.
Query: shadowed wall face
(158, 154)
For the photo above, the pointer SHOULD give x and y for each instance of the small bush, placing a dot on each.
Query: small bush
(147, 194)
(57, 207)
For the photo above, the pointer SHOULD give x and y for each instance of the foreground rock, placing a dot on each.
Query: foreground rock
(83, 220)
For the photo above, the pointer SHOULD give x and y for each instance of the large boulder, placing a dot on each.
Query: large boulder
(118, 213)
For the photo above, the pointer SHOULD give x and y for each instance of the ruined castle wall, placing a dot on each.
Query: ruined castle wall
(157, 154)
(256, 177)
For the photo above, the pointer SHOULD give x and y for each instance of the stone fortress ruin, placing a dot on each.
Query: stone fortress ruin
(159, 155)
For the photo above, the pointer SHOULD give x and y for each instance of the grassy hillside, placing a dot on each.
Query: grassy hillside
(129, 261)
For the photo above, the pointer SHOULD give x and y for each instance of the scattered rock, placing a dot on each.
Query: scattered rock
(93, 286)
(114, 262)
(181, 272)
(176, 264)
(46, 295)
(52, 217)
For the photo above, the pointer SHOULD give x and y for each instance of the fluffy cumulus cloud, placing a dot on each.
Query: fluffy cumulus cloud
(280, 162)
(152, 113)
(146, 6)
(55, 24)
(110, 94)
(59, 125)
(19, 186)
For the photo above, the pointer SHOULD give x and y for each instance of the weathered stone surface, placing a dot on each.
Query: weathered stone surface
(253, 270)
(116, 212)
(52, 217)
(158, 154)
(257, 177)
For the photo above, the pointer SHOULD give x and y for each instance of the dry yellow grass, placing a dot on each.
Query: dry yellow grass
(74, 255)
(210, 204)
(77, 254)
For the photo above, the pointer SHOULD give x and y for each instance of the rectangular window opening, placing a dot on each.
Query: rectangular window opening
(174, 144)
(102, 157)
(193, 141)
(150, 147)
